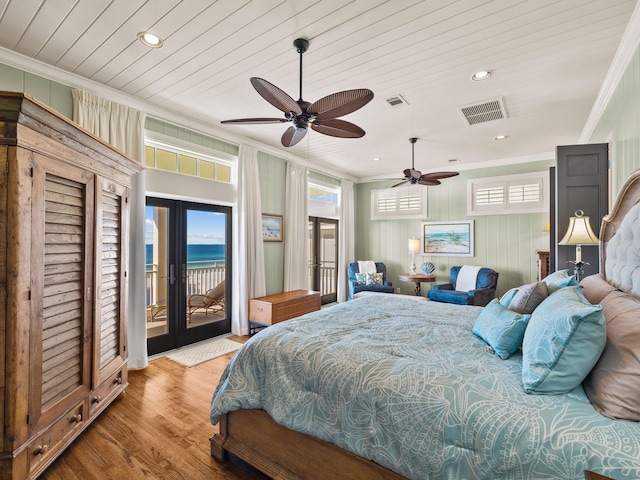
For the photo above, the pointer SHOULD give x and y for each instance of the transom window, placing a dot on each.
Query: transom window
(179, 160)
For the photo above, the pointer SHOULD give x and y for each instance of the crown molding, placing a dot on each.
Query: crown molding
(624, 54)
(36, 67)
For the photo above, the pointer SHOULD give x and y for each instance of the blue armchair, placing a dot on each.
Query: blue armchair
(485, 291)
(354, 288)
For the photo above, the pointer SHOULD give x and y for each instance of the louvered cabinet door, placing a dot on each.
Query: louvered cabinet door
(62, 244)
(110, 354)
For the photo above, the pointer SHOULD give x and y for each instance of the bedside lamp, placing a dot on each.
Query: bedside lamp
(579, 233)
(414, 247)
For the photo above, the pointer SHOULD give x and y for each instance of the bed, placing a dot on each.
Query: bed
(386, 387)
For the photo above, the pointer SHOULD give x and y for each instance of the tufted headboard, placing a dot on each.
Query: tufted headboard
(620, 239)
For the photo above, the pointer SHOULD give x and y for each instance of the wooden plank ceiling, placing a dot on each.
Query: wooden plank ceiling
(549, 59)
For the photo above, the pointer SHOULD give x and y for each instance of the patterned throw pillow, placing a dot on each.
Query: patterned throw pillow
(563, 341)
(361, 278)
(374, 278)
(559, 279)
(528, 297)
(501, 328)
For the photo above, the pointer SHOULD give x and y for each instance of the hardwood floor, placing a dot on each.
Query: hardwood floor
(159, 429)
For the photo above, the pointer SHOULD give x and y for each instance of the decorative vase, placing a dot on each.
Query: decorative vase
(428, 268)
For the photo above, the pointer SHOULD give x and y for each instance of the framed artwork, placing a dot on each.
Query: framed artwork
(454, 239)
(272, 227)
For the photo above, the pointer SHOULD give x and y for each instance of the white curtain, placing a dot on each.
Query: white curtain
(249, 276)
(123, 127)
(346, 237)
(296, 229)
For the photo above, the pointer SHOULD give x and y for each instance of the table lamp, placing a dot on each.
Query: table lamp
(579, 233)
(414, 247)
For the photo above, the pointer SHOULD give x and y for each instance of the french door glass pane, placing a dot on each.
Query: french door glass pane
(157, 269)
(205, 267)
(328, 250)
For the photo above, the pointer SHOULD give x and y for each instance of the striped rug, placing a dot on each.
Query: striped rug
(195, 354)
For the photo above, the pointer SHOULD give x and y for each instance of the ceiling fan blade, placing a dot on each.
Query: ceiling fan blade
(338, 128)
(429, 181)
(398, 184)
(440, 175)
(276, 97)
(256, 121)
(339, 104)
(293, 135)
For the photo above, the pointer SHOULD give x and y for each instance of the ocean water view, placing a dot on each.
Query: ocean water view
(198, 255)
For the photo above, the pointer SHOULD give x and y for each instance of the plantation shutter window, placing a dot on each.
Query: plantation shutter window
(525, 193)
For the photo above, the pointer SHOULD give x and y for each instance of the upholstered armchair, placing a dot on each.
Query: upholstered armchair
(486, 282)
(356, 287)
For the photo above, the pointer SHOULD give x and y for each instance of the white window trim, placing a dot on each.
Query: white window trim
(395, 195)
(504, 182)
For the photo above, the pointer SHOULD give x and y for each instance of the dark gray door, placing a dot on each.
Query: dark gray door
(582, 183)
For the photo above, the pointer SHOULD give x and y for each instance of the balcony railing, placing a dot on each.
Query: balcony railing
(327, 278)
(200, 277)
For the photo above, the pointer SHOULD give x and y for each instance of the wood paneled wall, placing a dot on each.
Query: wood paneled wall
(272, 191)
(620, 126)
(52, 94)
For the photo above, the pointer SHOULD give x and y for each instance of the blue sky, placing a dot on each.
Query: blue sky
(202, 227)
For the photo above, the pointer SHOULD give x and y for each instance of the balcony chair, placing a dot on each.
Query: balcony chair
(486, 282)
(212, 300)
(356, 287)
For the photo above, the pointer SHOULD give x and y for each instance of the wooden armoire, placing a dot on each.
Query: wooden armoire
(63, 281)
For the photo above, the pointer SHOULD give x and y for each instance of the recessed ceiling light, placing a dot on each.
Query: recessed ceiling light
(481, 75)
(150, 40)
(376, 159)
(501, 137)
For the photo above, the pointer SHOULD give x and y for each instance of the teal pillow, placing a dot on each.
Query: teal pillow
(361, 278)
(562, 343)
(505, 300)
(374, 279)
(559, 279)
(501, 328)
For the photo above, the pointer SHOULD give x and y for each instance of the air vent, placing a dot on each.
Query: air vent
(487, 111)
(396, 101)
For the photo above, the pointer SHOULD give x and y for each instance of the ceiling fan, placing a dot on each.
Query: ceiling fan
(414, 176)
(321, 116)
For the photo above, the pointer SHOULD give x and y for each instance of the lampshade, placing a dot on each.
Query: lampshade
(579, 231)
(414, 245)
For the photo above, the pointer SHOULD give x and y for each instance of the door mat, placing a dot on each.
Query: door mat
(194, 355)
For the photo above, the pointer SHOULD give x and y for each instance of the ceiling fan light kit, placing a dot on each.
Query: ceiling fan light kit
(413, 176)
(321, 116)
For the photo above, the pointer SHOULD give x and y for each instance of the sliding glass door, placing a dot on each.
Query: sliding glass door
(188, 272)
(323, 256)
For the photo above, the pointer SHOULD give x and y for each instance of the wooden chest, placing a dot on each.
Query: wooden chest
(272, 309)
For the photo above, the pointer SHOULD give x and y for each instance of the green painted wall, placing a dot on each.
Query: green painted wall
(506, 243)
(52, 94)
(272, 195)
(620, 125)
(189, 135)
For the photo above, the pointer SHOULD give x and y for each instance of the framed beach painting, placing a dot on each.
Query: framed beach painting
(453, 239)
(272, 227)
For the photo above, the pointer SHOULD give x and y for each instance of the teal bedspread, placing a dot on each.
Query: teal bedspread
(407, 385)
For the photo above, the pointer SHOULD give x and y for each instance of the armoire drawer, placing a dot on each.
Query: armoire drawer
(104, 393)
(47, 444)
